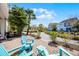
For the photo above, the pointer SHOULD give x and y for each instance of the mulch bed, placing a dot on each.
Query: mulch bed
(67, 46)
(52, 44)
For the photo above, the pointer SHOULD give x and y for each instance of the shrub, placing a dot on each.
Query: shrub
(48, 32)
(72, 33)
(76, 37)
(64, 35)
(61, 31)
(53, 35)
(77, 33)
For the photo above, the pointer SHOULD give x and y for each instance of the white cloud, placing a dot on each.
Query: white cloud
(41, 10)
(34, 9)
(44, 16)
(41, 16)
(44, 13)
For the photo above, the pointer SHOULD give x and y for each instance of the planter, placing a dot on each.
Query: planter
(69, 44)
(73, 46)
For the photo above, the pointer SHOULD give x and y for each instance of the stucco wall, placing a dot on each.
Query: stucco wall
(4, 10)
(3, 18)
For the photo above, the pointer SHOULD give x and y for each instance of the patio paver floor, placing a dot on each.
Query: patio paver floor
(17, 41)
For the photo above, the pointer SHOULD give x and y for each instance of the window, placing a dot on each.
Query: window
(64, 24)
(68, 24)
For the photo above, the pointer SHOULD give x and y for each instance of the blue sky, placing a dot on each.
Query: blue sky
(51, 12)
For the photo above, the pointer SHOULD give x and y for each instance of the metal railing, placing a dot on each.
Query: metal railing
(62, 52)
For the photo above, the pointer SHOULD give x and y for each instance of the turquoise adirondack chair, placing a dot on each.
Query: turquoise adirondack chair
(28, 45)
(42, 51)
(4, 52)
(63, 52)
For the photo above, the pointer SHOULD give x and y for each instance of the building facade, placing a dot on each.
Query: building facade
(67, 25)
(3, 18)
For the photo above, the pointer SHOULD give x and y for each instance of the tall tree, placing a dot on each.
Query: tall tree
(17, 18)
(52, 26)
(30, 16)
(41, 27)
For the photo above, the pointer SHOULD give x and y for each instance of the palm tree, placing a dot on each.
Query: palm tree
(17, 19)
(30, 15)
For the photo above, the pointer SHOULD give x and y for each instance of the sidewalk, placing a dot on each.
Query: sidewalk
(16, 42)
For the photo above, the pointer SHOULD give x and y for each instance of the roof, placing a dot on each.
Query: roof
(71, 21)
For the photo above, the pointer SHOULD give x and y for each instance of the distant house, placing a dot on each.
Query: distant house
(3, 19)
(50, 27)
(67, 24)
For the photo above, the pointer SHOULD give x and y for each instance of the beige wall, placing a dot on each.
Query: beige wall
(0, 26)
(4, 17)
(3, 10)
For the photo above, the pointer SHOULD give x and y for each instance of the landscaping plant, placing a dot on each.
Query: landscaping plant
(53, 36)
(76, 38)
(64, 35)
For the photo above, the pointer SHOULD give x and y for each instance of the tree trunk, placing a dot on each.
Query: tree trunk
(28, 25)
(28, 29)
(19, 30)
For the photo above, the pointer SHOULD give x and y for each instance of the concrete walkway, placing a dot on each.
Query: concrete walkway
(17, 41)
(44, 40)
(45, 37)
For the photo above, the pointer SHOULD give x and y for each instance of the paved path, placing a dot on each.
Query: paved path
(43, 41)
(17, 41)
(45, 37)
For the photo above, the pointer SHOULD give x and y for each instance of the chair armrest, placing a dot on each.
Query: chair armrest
(32, 42)
(61, 49)
(14, 50)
